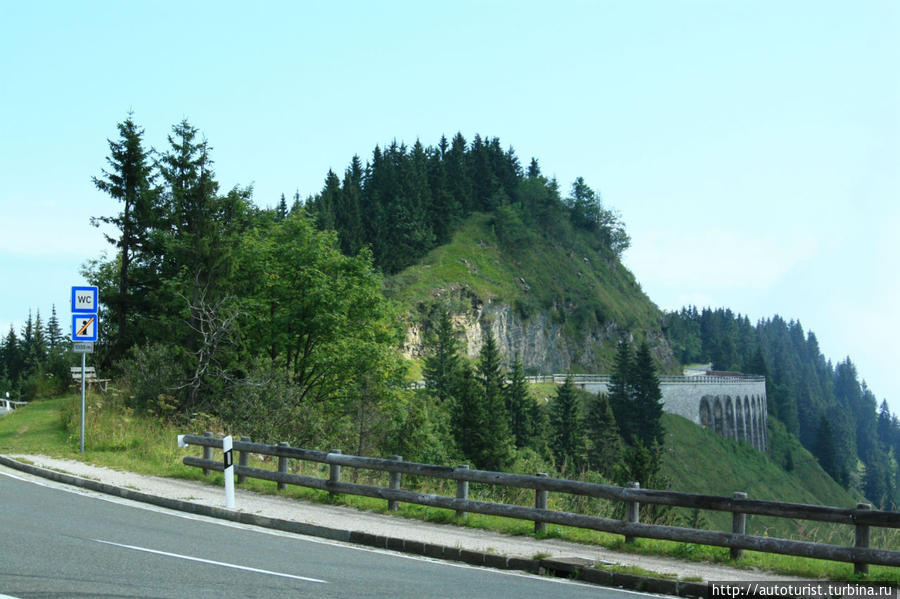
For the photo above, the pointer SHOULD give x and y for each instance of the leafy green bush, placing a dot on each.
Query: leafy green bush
(153, 374)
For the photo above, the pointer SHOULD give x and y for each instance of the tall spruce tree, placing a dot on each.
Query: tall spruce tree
(519, 407)
(497, 450)
(824, 449)
(605, 449)
(467, 416)
(13, 357)
(621, 392)
(349, 216)
(567, 440)
(442, 362)
(197, 254)
(129, 180)
(647, 398)
(54, 332)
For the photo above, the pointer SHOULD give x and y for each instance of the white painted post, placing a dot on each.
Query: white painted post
(229, 472)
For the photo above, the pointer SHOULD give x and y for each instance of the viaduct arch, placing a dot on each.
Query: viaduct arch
(730, 404)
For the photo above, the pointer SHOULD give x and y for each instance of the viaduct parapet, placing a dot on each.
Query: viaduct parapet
(730, 404)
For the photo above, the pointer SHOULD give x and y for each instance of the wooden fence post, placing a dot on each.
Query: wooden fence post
(738, 526)
(862, 540)
(540, 503)
(462, 492)
(242, 461)
(334, 474)
(632, 511)
(395, 484)
(207, 452)
(282, 465)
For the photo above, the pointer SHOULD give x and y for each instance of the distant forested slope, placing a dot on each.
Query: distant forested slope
(835, 416)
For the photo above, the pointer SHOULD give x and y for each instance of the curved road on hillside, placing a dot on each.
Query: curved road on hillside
(58, 542)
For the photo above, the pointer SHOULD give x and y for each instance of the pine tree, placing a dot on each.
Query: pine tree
(296, 205)
(327, 203)
(54, 332)
(39, 344)
(444, 212)
(281, 211)
(442, 362)
(824, 449)
(648, 406)
(202, 232)
(567, 439)
(458, 174)
(885, 428)
(584, 205)
(13, 356)
(28, 351)
(349, 215)
(497, 449)
(467, 415)
(541, 424)
(519, 407)
(621, 392)
(130, 181)
(201, 227)
(605, 453)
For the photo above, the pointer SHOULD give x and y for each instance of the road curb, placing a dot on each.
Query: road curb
(569, 568)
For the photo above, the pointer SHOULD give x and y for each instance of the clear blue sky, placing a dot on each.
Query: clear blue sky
(752, 148)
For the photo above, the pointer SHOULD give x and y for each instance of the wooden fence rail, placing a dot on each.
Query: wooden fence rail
(862, 517)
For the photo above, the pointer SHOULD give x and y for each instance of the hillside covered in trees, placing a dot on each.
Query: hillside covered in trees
(834, 414)
(287, 323)
(406, 201)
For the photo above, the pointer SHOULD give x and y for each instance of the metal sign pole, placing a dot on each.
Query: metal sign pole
(85, 326)
(82, 402)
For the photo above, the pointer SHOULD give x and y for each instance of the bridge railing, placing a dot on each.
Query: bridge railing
(580, 379)
(862, 517)
(587, 379)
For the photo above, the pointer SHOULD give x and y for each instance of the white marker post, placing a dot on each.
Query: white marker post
(229, 472)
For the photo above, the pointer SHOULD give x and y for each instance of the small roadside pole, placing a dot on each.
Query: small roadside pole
(229, 472)
(228, 462)
(85, 302)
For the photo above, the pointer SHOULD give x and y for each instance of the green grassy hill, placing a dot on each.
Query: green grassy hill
(535, 288)
(587, 298)
(699, 461)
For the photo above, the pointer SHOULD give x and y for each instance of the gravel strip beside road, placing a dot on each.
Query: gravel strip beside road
(344, 518)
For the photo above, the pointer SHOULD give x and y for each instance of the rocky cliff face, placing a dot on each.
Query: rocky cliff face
(543, 346)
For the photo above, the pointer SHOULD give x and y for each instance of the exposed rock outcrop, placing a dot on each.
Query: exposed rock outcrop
(544, 346)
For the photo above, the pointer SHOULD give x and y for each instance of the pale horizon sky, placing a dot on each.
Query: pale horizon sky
(752, 149)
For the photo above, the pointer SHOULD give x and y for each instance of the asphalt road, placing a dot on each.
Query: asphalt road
(60, 542)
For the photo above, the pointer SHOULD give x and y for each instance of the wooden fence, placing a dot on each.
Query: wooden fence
(862, 517)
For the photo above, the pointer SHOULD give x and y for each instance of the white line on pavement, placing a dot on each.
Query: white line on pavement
(212, 562)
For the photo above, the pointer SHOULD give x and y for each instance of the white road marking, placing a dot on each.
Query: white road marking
(211, 562)
(279, 533)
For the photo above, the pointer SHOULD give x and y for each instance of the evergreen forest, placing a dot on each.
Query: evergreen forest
(826, 406)
(273, 322)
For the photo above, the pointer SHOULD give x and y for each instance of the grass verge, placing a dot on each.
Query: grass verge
(117, 438)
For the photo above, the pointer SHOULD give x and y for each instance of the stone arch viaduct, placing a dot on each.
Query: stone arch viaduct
(730, 404)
